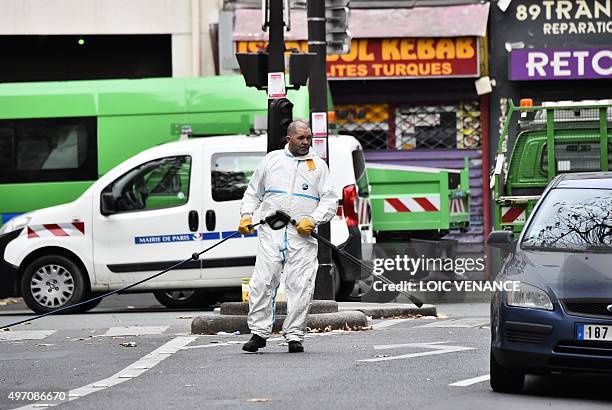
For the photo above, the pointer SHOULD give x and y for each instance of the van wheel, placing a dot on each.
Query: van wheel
(342, 289)
(505, 380)
(88, 306)
(179, 299)
(51, 282)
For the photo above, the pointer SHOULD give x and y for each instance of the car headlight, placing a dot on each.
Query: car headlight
(15, 223)
(529, 296)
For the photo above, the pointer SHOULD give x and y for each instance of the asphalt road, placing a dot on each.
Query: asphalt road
(410, 364)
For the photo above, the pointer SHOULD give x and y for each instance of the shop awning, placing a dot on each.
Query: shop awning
(443, 21)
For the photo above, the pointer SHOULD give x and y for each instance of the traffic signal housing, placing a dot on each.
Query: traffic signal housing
(280, 115)
(337, 34)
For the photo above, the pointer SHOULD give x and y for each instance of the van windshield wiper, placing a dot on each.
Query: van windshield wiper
(599, 248)
(545, 248)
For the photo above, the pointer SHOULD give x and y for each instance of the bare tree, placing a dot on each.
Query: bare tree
(576, 225)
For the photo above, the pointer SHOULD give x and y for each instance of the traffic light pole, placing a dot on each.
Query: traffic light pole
(276, 64)
(276, 45)
(317, 90)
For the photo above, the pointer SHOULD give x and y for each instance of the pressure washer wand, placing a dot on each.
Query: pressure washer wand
(195, 256)
(353, 259)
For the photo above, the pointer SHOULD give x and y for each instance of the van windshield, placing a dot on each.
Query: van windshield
(572, 220)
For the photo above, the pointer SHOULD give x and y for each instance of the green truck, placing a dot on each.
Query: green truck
(540, 142)
(411, 202)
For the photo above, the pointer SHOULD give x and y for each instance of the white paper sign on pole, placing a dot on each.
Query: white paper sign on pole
(276, 85)
(319, 145)
(319, 124)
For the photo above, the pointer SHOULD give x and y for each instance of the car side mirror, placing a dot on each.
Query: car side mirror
(107, 203)
(502, 239)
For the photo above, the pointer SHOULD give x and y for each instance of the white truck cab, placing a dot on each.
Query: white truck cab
(156, 209)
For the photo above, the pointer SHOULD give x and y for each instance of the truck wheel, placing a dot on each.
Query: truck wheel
(179, 299)
(505, 380)
(52, 282)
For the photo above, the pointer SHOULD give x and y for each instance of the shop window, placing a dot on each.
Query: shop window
(369, 123)
(48, 150)
(381, 126)
(441, 126)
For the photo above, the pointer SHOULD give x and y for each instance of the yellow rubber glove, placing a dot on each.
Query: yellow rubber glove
(305, 226)
(243, 227)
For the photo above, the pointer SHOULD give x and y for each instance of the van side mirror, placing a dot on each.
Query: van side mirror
(502, 239)
(107, 203)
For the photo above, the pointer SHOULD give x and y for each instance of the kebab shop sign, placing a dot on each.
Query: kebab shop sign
(396, 57)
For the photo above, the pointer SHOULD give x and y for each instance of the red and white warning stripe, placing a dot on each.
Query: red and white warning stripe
(364, 204)
(62, 229)
(426, 203)
(513, 215)
(458, 206)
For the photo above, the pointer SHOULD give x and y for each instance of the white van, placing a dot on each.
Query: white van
(156, 209)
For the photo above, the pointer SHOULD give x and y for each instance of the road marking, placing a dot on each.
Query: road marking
(467, 322)
(469, 382)
(132, 371)
(272, 339)
(437, 348)
(136, 330)
(388, 322)
(26, 334)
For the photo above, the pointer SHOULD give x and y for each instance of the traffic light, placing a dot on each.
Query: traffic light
(280, 115)
(337, 34)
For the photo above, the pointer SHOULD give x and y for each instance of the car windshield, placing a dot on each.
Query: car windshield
(572, 220)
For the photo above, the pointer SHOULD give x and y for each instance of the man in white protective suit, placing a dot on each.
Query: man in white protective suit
(295, 181)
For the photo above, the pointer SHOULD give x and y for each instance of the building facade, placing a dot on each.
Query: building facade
(549, 51)
(406, 90)
(95, 39)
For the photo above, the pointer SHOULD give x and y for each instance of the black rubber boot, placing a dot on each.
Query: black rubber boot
(255, 343)
(295, 347)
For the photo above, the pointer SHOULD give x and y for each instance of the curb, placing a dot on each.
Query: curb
(206, 325)
(242, 308)
(377, 312)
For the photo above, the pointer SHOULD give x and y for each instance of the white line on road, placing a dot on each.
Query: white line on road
(132, 371)
(466, 322)
(389, 322)
(272, 339)
(26, 334)
(469, 382)
(136, 330)
(437, 348)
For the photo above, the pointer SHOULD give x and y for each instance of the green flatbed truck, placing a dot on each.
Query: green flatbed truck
(410, 202)
(540, 142)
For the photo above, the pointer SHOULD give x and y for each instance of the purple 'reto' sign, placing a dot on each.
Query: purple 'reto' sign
(556, 64)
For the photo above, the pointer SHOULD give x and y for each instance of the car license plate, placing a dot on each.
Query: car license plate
(594, 332)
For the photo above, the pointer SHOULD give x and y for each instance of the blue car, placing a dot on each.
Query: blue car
(555, 314)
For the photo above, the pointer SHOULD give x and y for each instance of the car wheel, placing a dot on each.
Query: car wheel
(51, 282)
(179, 299)
(505, 380)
